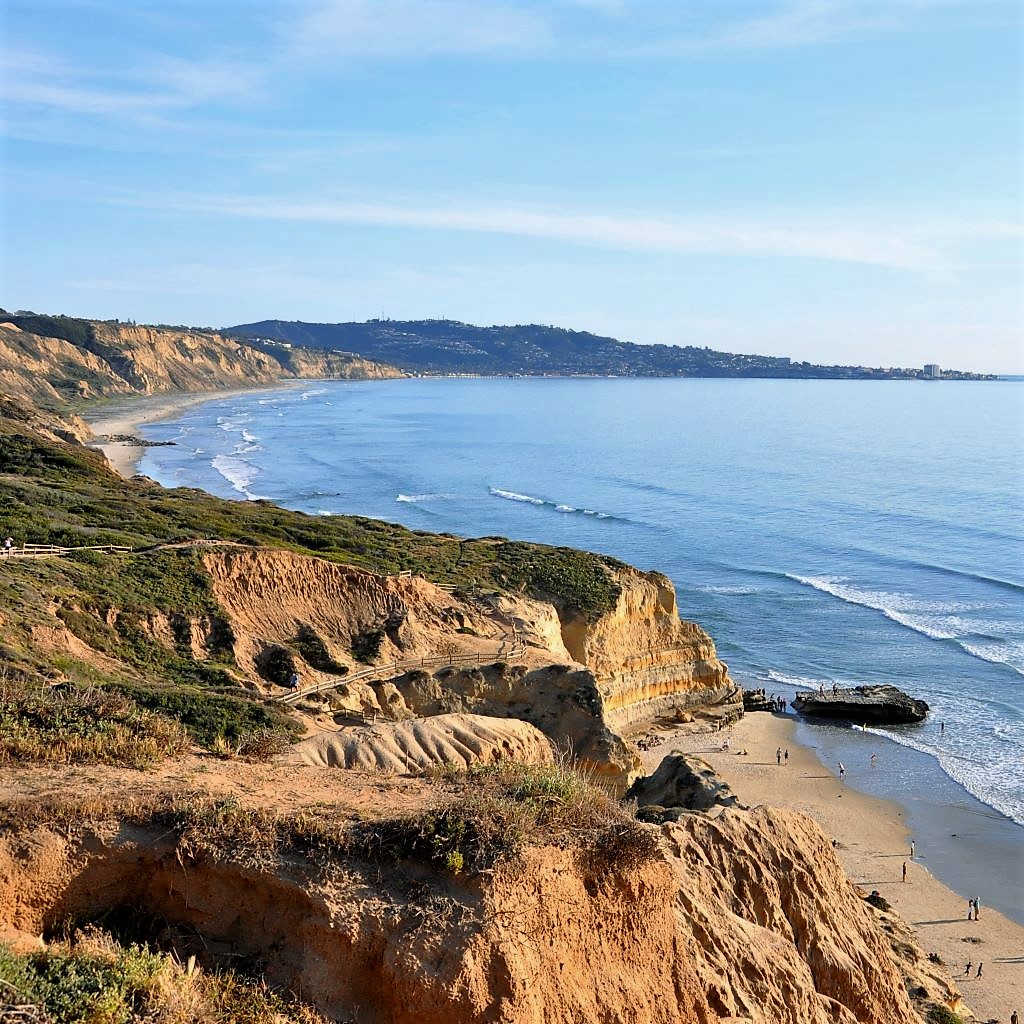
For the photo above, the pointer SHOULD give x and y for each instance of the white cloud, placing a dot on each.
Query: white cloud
(374, 28)
(853, 239)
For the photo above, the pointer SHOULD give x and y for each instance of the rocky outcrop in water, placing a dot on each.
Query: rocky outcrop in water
(882, 705)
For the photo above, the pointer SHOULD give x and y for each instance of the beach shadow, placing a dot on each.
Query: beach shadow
(815, 776)
(948, 920)
(1009, 960)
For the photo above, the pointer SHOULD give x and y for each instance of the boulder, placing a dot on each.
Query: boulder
(680, 782)
(881, 705)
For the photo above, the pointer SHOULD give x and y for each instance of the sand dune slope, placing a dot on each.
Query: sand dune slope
(420, 743)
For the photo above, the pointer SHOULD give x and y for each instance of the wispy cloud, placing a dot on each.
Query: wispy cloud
(927, 248)
(375, 28)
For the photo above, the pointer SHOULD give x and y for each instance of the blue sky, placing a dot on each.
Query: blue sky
(835, 180)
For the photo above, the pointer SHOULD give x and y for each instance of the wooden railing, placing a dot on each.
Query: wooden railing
(56, 551)
(505, 652)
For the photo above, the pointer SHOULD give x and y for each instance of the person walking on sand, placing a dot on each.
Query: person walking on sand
(967, 969)
(978, 975)
(904, 871)
(778, 756)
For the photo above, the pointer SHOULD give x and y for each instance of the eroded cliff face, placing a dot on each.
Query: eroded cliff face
(648, 662)
(277, 601)
(633, 663)
(747, 918)
(125, 359)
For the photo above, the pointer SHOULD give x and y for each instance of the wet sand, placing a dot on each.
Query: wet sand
(127, 416)
(873, 844)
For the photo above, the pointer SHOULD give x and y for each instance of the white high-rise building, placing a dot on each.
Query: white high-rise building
(932, 370)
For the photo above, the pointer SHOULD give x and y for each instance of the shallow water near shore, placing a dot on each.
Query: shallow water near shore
(821, 531)
(970, 846)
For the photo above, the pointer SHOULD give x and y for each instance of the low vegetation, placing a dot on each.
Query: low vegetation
(92, 978)
(498, 809)
(82, 725)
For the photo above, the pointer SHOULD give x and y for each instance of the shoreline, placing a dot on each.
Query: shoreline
(873, 843)
(128, 415)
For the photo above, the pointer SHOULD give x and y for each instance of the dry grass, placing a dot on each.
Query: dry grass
(81, 725)
(496, 810)
(482, 816)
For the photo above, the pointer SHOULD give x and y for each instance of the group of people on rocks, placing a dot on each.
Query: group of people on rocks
(775, 701)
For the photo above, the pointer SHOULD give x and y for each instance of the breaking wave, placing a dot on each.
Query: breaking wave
(557, 506)
(937, 620)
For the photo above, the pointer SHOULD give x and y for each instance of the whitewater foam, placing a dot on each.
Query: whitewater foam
(239, 473)
(413, 499)
(557, 506)
(937, 620)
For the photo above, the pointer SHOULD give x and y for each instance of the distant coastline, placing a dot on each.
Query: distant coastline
(450, 347)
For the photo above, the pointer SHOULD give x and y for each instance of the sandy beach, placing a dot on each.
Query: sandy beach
(127, 416)
(874, 844)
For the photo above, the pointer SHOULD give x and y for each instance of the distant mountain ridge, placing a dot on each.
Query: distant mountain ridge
(452, 347)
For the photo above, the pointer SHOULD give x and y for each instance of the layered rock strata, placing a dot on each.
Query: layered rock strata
(649, 663)
(458, 741)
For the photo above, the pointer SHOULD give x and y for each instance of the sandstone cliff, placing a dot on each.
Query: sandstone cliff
(104, 359)
(633, 663)
(648, 661)
(746, 918)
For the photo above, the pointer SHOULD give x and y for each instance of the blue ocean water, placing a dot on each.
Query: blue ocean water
(846, 531)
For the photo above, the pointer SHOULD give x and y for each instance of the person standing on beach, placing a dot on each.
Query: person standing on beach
(842, 771)
(778, 756)
(977, 909)
(785, 755)
(904, 871)
(913, 848)
(1014, 1019)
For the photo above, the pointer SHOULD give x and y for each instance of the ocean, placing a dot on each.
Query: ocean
(821, 531)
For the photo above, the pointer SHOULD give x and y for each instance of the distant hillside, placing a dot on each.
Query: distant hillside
(448, 346)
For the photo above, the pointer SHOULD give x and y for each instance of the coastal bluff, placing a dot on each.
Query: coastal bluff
(581, 677)
(745, 917)
(52, 361)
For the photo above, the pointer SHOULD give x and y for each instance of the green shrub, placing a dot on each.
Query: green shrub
(366, 646)
(312, 648)
(82, 725)
(938, 1014)
(92, 978)
(211, 717)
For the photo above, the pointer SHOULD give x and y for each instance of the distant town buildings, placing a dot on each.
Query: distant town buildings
(932, 371)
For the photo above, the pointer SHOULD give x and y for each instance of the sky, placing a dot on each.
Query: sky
(831, 180)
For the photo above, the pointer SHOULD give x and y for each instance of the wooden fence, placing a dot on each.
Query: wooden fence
(55, 551)
(397, 668)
